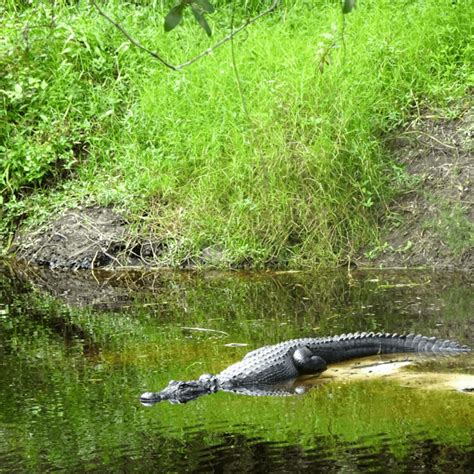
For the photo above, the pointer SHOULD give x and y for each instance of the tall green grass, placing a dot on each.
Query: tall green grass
(298, 180)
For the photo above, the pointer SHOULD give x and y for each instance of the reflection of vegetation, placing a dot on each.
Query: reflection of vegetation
(63, 406)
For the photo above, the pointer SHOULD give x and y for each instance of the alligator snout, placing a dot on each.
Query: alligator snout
(179, 391)
(150, 398)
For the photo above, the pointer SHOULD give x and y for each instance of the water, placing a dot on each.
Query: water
(76, 351)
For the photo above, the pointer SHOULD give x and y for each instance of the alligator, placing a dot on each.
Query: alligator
(270, 369)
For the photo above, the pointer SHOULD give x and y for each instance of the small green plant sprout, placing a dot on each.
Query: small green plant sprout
(406, 247)
(377, 250)
(329, 42)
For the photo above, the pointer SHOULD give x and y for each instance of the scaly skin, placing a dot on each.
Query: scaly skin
(287, 360)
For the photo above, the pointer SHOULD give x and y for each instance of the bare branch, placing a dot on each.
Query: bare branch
(208, 51)
(132, 40)
(233, 33)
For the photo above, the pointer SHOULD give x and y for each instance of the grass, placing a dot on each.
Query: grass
(298, 181)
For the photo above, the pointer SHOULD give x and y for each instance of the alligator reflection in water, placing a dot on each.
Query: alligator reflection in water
(186, 391)
(273, 370)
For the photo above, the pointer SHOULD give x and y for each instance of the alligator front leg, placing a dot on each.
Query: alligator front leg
(308, 363)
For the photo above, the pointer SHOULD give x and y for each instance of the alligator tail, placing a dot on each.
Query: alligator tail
(363, 344)
(419, 343)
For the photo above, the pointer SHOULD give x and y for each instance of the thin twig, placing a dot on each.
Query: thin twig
(343, 38)
(208, 51)
(414, 132)
(272, 7)
(93, 260)
(234, 64)
(93, 275)
(197, 329)
(132, 40)
(53, 15)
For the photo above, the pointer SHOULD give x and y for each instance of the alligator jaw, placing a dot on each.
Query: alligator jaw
(181, 391)
(150, 398)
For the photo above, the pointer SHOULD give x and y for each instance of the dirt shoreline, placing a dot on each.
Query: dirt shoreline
(431, 225)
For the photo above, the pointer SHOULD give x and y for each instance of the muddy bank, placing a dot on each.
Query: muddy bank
(81, 238)
(94, 237)
(430, 225)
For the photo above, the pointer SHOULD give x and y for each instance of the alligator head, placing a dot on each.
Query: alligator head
(182, 391)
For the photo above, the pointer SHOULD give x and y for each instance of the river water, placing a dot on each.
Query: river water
(77, 350)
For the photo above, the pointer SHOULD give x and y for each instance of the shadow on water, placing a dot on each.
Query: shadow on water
(77, 349)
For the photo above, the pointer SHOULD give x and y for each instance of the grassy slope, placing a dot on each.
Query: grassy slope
(296, 181)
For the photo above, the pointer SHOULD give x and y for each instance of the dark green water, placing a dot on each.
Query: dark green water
(76, 351)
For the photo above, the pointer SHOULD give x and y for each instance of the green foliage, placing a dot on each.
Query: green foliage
(298, 181)
(198, 7)
(51, 106)
(174, 17)
(348, 6)
(199, 15)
